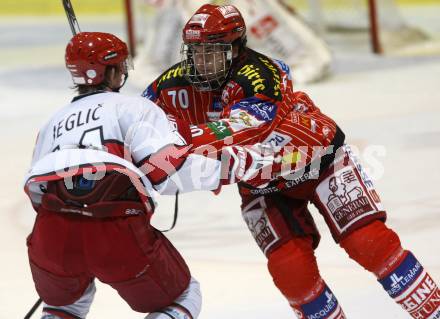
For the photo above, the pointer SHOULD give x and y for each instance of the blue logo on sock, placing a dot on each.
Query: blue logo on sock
(325, 304)
(402, 277)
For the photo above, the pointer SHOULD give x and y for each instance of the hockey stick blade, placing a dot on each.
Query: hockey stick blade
(74, 26)
(34, 307)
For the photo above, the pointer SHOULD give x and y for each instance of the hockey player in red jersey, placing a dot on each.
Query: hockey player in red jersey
(238, 96)
(96, 169)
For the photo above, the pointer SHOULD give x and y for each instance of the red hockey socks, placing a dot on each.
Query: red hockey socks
(377, 248)
(294, 271)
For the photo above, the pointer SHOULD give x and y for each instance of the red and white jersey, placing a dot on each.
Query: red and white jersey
(108, 131)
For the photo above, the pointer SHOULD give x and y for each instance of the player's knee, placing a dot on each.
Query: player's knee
(57, 314)
(187, 305)
(373, 246)
(294, 270)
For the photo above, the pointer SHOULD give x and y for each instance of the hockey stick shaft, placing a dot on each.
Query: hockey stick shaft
(34, 307)
(71, 17)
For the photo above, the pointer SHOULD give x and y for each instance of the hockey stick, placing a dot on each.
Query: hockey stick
(176, 212)
(74, 26)
(34, 307)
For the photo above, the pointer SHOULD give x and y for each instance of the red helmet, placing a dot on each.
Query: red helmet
(89, 53)
(208, 40)
(214, 24)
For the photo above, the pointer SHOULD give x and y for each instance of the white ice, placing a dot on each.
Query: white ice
(388, 103)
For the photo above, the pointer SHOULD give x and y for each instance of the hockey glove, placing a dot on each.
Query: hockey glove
(251, 164)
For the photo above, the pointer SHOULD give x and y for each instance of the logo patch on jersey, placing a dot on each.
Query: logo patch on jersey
(259, 224)
(304, 121)
(300, 107)
(277, 139)
(220, 129)
(276, 76)
(241, 120)
(262, 111)
(252, 73)
(365, 178)
(176, 72)
(344, 198)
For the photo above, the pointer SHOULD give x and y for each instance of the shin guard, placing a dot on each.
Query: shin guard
(186, 306)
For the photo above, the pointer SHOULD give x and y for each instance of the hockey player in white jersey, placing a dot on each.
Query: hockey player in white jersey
(97, 166)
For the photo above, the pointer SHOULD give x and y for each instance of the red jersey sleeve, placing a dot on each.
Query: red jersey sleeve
(244, 122)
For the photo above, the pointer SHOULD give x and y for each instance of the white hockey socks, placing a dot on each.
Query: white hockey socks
(413, 289)
(186, 306)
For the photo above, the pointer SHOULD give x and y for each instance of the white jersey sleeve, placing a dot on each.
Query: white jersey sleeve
(149, 133)
(197, 173)
(153, 133)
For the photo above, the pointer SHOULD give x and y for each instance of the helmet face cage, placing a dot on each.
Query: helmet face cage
(206, 65)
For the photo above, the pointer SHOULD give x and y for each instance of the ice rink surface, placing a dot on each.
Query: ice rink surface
(386, 104)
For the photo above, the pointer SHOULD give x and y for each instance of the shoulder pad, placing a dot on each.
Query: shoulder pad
(258, 74)
(171, 78)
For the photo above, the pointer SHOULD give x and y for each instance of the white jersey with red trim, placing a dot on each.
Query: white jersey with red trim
(109, 131)
(103, 120)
